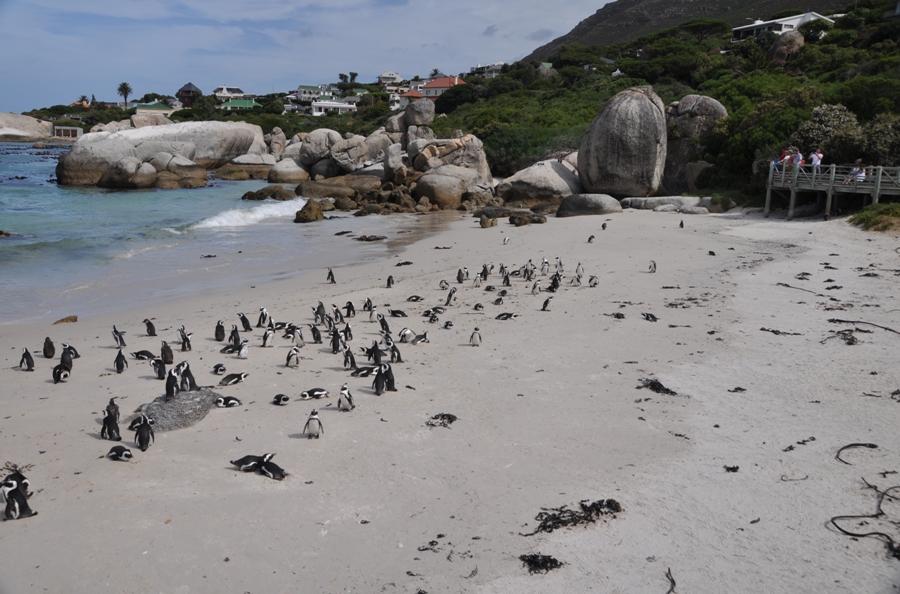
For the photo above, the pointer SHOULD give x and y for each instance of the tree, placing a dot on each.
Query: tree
(82, 99)
(93, 101)
(343, 77)
(124, 91)
(353, 76)
(703, 29)
(434, 73)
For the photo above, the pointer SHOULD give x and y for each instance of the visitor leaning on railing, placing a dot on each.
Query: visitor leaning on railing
(857, 174)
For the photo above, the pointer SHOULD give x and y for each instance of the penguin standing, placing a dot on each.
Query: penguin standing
(460, 277)
(234, 338)
(330, 277)
(347, 332)
(110, 428)
(244, 351)
(317, 336)
(263, 320)
(121, 363)
(220, 331)
(451, 296)
(545, 267)
(27, 361)
(373, 313)
(345, 400)
(185, 339)
(172, 383)
(143, 434)
(151, 329)
(681, 225)
(546, 306)
(159, 367)
(166, 354)
(268, 338)
(293, 357)
(16, 503)
(350, 309)
(591, 239)
(579, 270)
(384, 324)
(336, 314)
(117, 336)
(245, 322)
(49, 348)
(603, 226)
(388, 373)
(475, 339)
(506, 240)
(313, 427)
(188, 383)
(652, 266)
(536, 287)
(65, 359)
(60, 374)
(379, 383)
(349, 359)
(390, 281)
(113, 408)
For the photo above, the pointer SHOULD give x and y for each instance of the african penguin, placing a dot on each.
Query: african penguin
(316, 335)
(681, 225)
(110, 428)
(350, 310)
(159, 367)
(144, 436)
(475, 339)
(219, 369)
(272, 470)
(151, 329)
(166, 354)
(16, 503)
(60, 374)
(119, 453)
(603, 226)
(121, 363)
(390, 281)
(263, 320)
(281, 399)
(26, 362)
(172, 384)
(233, 378)
(143, 355)
(444, 285)
(330, 277)
(117, 336)
(251, 463)
(313, 427)
(345, 400)
(227, 402)
(505, 240)
(293, 357)
(420, 338)
(450, 296)
(315, 393)
(652, 265)
(536, 287)
(244, 351)
(49, 348)
(268, 338)
(591, 239)
(234, 338)
(593, 281)
(245, 322)
(546, 306)
(113, 408)
(220, 331)
(460, 277)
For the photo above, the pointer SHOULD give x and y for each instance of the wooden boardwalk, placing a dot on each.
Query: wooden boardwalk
(830, 179)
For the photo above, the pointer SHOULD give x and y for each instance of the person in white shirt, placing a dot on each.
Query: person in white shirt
(817, 161)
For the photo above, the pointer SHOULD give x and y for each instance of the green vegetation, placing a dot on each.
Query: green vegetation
(878, 217)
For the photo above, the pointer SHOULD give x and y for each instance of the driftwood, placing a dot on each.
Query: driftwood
(837, 321)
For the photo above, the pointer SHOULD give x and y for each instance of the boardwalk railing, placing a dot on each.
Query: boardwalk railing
(875, 182)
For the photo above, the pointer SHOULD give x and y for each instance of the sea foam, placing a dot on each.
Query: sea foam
(251, 216)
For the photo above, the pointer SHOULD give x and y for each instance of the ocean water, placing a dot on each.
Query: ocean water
(77, 251)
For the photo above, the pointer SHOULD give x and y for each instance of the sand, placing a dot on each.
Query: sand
(548, 415)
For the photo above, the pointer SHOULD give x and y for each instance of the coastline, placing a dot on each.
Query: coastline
(548, 416)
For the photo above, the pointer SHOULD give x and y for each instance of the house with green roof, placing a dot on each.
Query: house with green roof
(239, 104)
(155, 107)
(308, 93)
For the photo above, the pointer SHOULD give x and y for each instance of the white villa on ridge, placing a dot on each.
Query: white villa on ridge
(779, 26)
(224, 93)
(487, 70)
(389, 78)
(320, 108)
(308, 92)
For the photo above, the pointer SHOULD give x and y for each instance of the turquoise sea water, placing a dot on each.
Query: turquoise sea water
(81, 250)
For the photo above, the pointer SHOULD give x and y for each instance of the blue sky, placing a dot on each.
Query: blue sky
(54, 50)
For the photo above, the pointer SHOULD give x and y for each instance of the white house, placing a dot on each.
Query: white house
(434, 89)
(224, 93)
(308, 93)
(487, 70)
(389, 78)
(779, 26)
(320, 108)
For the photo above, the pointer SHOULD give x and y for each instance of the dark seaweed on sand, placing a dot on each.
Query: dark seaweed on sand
(441, 420)
(551, 519)
(656, 386)
(537, 563)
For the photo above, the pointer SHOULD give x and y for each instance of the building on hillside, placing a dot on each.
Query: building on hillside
(778, 26)
(320, 108)
(389, 78)
(359, 92)
(308, 93)
(67, 132)
(330, 89)
(436, 87)
(394, 101)
(487, 70)
(239, 104)
(409, 97)
(186, 94)
(155, 107)
(224, 93)
(894, 13)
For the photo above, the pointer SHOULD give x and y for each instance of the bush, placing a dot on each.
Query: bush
(822, 124)
(878, 217)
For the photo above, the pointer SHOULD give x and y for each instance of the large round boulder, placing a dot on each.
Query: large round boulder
(127, 174)
(350, 153)
(20, 127)
(623, 152)
(545, 182)
(444, 190)
(787, 46)
(91, 156)
(317, 145)
(377, 144)
(311, 211)
(277, 141)
(689, 120)
(287, 171)
(420, 113)
(588, 204)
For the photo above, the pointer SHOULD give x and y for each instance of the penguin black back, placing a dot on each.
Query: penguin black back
(49, 348)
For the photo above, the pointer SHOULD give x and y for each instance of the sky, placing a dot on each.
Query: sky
(54, 51)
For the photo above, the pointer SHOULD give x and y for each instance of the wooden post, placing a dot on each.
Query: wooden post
(793, 192)
(768, 208)
(830, 192)
(877, 189)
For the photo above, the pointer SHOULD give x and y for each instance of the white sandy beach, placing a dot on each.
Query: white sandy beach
(548, 416)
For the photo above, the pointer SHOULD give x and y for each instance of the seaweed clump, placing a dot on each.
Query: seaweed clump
(551, 519)
(537, 563)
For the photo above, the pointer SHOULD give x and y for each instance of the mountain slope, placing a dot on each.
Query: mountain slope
(624, 20)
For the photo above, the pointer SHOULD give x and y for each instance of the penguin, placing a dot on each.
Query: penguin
(27, 361)
(293, 357)
(388, 373)
(349, 310)
(272, 470)
(444, 285)
(335, 341)
(503, 293)
(591, 239)
(336, 314)
(390, 281)
(448, 324)
(593, 281)
(367, 304)
(159, 367)
(220, 331)
(379, 383)
(347, 332)
(498, 301)
(330, 277)
(151, 329)
(227, 402)
(460, 277)
(349, 359)
(315, 393)
(434, 319)
(506, 240)
(295, 333)
(166, 354)
(478, 307)
(451, 296)
(559, 265)
(317, 336)
(395, 352)
(546, 306)
(507, 316)
(234, 337)
(143, 356)
(397, 313)
(681, 224)
(16, 503)
(420, 338)
(185, 339)
(545, 267)
(652, 266)
(219, 369)
(373, 313)
(649, 317)
(244, 351)
(65, 359)
(345, 400)
(117, 336)
(406, 335)
(384, 324)
(263, 320)
(603, 226)
(49, 348)
(281, 399)
(268, 338)
(506, 281)
(536, 287)
(113, 408)
(188, 384)
(121, 363)
(475, 339)
(579, 270)
(313, 427)
(144, 436)
(477, 282)
(172, 384)
(138, 421)
(119, 453)
(110, 428)
(233, 378)
(576, 281)
(712, 253)
(251, 463)
(60, 374)
(71, 350)
(364, 371)
(245, 323)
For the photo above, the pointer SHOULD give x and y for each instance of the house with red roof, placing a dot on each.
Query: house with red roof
(435, 88)
(409, 97)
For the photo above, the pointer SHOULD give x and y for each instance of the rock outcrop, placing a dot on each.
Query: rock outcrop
(350, 153)
(128, 173)
(786, 47)
(317, 145)
(311, 211)
(288, 171)
(588, 204)
(141, 120)
(688, 121)
(623, 152)
(545, 182)
(419, 113)
(19, 127)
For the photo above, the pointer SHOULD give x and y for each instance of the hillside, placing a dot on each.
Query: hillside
(626, 20)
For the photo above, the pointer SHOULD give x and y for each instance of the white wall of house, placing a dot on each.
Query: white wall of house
(777, 25)
(320, 108)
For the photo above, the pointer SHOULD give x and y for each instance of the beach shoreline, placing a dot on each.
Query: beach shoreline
(548, 415)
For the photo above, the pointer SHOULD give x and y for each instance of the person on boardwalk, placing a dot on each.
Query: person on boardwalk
(857, 174)
(816, 159)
